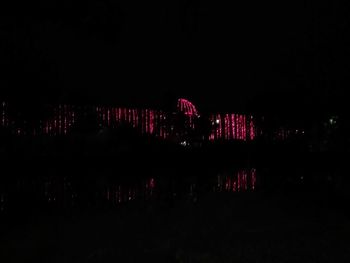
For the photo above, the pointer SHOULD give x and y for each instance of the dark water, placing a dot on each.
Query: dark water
(65, 192)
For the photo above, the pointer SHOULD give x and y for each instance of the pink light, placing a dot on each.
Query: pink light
(156, 123)
(147, 122)
(233, 134)
(228, 184)
(134, 118)
(137, 118)
(130, 117)
(64, 119)
(217, 120)
(226, 127)
(186, 107)
(229, 126)
(142, 121)
(240, 127)
(217, 132)
(116, 115)
(252, 129)
(151, 122)
(161, 127)
(239, 181)
(119, 114)
(220, 127)
(65, 125)
(108, 117)
(55, 124)
(103, 116)
(59, 120)
(152, 183)
(234, 187)
(244, 128)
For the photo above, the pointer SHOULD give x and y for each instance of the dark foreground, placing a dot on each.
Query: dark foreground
(216, 228)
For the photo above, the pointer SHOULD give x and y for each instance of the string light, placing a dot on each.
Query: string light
(227, 126)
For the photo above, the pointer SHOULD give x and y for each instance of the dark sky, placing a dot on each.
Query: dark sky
(248, 55)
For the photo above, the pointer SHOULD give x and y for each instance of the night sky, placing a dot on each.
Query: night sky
(263, 56)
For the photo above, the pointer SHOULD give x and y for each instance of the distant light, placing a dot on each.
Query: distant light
(217, 121)
(184, 143)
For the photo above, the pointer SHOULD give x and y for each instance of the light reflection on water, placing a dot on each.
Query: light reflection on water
(240, 181)
(64, 192)
(117, 193)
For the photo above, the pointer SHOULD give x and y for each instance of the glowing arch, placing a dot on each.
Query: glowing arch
(186, 107)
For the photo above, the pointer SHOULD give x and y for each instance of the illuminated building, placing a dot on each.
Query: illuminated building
(157, 123)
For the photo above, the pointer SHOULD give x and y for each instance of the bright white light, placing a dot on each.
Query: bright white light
(217, 121)
(332, 121)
